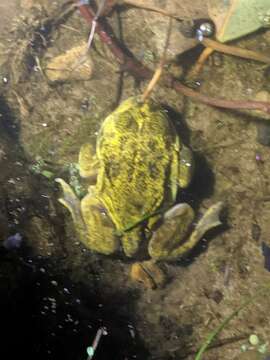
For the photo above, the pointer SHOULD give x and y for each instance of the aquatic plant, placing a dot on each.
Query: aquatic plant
(141, 72)
(220, 327)
(74, 179)
(39, 168)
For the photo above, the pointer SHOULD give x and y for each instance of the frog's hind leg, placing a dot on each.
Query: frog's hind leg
(94, 228)
(173, 223)
(101, 233)
(88, 163)
(131, 241)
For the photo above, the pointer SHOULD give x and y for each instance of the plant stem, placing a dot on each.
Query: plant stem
(219, 328)
(140, 72)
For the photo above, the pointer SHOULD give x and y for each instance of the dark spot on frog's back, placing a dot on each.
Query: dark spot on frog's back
(152, 145)
(126, 122)
(112, 169)
(153, 171)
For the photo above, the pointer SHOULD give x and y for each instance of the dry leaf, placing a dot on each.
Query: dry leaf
(74, 64)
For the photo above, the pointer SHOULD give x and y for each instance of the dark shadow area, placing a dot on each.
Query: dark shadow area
(188, 58)
(45, 316)
(201, 187)
(203, 180)
(8, 123)
(179, 124)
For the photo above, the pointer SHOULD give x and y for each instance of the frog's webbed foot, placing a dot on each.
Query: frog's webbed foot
(148, 273)
(209, 220)
(165, 241)
(88, 163)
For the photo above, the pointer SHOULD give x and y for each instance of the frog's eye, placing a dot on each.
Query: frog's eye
(101, 216)
(103, 212)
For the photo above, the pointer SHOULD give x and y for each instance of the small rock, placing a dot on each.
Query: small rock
(27, 4)
(254, 340)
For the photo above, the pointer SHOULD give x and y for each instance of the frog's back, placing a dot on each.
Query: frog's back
(137, 149)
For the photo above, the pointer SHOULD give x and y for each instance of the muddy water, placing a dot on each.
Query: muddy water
(55, 294)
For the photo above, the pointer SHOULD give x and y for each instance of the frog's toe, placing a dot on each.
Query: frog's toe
(69, 199)
(149, 274)
(209, 220)
(88, 163)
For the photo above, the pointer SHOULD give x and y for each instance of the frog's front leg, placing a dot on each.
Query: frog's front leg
(167, 241)
(88, 163)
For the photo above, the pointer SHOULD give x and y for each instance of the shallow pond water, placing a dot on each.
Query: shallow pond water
(55, 294)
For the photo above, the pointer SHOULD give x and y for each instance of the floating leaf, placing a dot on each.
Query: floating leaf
(237, 18)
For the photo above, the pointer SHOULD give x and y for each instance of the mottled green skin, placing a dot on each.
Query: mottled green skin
(139, 168)
(138, 149)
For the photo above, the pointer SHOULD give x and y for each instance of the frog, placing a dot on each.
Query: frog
(135, 173)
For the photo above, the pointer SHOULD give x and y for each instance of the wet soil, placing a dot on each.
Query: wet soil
(57, 294)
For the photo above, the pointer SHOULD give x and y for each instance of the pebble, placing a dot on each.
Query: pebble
(254, 340)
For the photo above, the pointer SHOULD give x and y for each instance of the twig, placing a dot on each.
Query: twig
(70, 28)
(212, 45)
(220, 327)
(216, 344)
(94, 23)
(92, 349)
(235, 51)
(159, 69)
(200, 62)
(66, 12)
(83, 58)
(158, 10)
(141, 72)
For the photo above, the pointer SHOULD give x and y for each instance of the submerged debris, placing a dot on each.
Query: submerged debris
(13, 242)
(91, 349)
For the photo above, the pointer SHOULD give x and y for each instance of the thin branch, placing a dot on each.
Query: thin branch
(200, 62)
(158, 10)
(159, 69)
(235, 51)
(141, 72)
